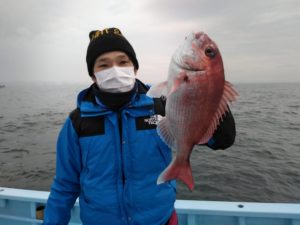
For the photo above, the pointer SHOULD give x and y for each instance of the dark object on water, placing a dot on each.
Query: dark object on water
(2, 86)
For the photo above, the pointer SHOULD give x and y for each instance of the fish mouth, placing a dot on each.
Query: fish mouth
(196, 72)
(193, 71)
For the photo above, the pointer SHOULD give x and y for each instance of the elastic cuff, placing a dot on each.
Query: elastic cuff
(211, 142)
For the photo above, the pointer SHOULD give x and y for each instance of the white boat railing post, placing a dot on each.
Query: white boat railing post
(33, 212)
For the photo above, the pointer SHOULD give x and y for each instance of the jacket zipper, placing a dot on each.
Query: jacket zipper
(122, 166)
(121, 144)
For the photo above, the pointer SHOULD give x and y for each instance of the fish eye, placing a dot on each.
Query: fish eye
(210, 52)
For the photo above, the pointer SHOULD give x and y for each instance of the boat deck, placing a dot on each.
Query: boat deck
(24, 207)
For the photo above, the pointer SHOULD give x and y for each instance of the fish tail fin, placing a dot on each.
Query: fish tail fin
(178, 170)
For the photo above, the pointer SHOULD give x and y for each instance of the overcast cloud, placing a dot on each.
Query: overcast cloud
(43, 40)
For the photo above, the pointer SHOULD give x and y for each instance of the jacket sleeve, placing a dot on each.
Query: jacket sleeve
(65, 188)
(224, 135)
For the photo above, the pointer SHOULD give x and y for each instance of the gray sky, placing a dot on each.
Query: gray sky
(44, 40)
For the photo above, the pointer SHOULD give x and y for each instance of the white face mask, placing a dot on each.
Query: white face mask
(116, 79)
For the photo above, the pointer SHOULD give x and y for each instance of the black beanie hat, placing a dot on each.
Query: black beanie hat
(110, 39)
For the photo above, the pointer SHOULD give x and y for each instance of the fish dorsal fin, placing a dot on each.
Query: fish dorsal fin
(158, 90)
(164, 133)
(229, 95)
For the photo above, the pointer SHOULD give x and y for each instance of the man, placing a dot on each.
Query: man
(108, 153)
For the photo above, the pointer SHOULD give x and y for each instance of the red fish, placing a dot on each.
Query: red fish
(197, 97)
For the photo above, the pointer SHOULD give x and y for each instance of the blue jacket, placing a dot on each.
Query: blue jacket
(111, 160)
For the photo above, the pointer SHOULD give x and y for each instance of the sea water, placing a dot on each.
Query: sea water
(263, 165)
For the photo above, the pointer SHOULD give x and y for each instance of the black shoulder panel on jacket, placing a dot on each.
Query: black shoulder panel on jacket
(160, 105)
(87, 126)
(75, 118)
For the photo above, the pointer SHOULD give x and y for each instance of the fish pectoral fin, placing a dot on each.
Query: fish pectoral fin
(229, 95)
(178, 170)
(158, 90)
(164, 132)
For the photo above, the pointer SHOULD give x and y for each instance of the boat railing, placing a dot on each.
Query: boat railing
(20, 207)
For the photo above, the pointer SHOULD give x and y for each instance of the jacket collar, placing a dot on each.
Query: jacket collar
(90, 106)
